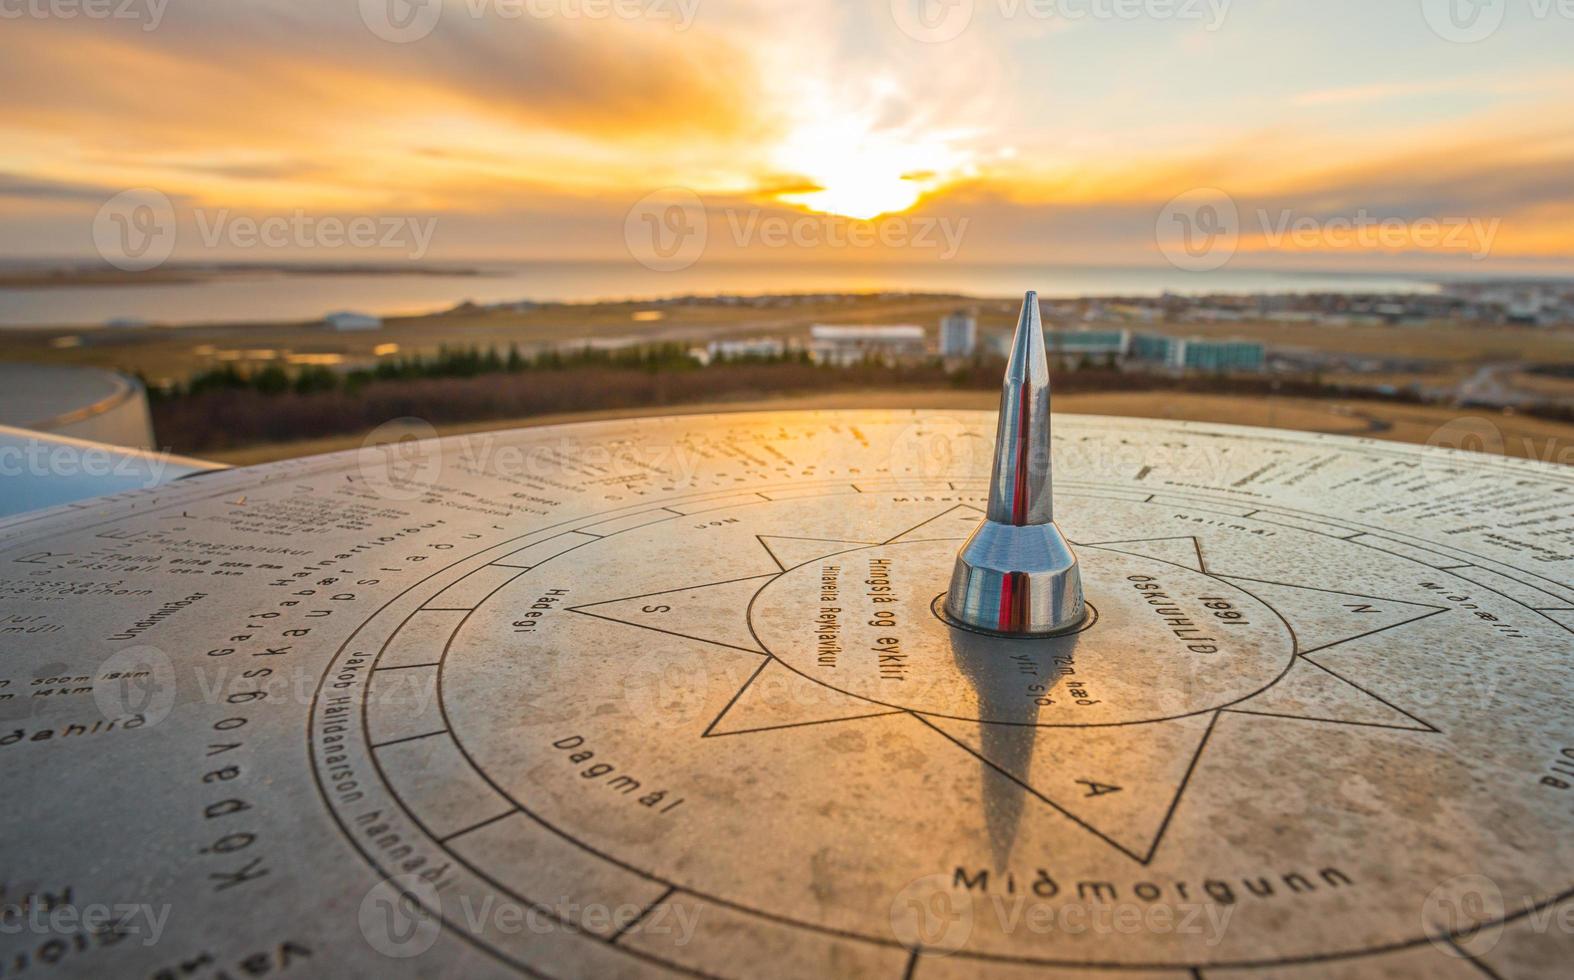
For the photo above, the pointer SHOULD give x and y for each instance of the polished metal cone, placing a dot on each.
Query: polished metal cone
(1017, 574)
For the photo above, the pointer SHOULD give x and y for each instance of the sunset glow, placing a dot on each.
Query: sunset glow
(858, 171)
(531, 137)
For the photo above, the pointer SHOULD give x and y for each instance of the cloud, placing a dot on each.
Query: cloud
(20, 187)
(260, 100)
(530, 137)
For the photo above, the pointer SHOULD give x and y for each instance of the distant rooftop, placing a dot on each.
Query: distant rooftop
(904, 331)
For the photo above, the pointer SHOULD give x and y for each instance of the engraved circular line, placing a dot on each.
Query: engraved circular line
(938, 610)
(1294, 652)
(1557, 899)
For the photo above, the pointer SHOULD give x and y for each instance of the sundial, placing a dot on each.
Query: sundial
(687, 696)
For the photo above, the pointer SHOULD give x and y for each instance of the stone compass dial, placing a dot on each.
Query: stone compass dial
(687, 697)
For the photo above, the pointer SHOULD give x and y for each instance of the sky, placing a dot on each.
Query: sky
(1401, 134)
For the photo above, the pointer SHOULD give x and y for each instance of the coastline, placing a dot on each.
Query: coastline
(39, 297)
(78, 275)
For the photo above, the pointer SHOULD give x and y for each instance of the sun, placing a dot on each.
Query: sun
(856, 170)
(860, 194)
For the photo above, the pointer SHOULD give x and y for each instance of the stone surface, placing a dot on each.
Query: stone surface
(671, 696)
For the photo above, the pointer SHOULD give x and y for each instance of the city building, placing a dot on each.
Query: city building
(845, 345)
(1198, 354)
(1075, 346)
(1151, 348)
(958, 334)
(1221, 355)
(733, 350)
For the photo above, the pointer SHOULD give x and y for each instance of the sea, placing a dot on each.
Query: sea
(276, 295)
